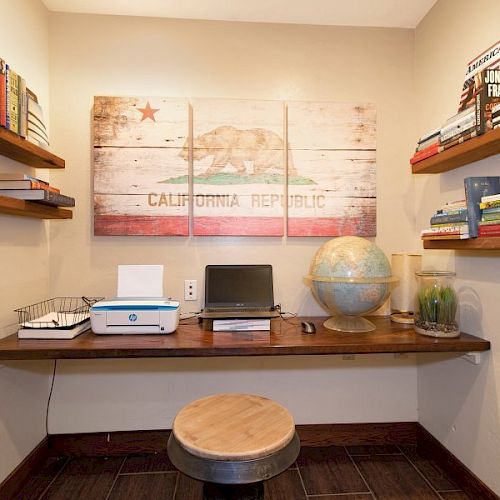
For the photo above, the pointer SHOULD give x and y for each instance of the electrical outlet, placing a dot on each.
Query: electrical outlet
(190, 290)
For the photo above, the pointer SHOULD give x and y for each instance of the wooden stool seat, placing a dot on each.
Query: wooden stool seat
(233, 427)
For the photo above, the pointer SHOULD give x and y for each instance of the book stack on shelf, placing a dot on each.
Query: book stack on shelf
(448, 222)
(428, 145)
(26, 187)
(489, 225)
(479, 114)
(20, 111)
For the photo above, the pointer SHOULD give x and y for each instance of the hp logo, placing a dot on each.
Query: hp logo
(132, 317)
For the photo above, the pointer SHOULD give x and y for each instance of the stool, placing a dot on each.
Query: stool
(233, 442)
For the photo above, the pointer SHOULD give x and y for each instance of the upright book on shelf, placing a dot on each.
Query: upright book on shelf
(475, 189)
(3, 93)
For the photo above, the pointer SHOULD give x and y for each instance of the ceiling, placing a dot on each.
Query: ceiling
(376, 13)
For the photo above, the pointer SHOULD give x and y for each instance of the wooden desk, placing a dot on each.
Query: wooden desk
(285, 338)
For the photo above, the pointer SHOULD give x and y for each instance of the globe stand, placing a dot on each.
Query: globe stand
(349, 324)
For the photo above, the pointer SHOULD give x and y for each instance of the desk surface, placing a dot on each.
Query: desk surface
(285, 338)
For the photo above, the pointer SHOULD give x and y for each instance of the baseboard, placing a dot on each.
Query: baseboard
(122, 443)
(358, 434)
(10, 487)
(457, 471)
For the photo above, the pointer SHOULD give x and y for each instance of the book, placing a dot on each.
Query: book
(489, 58)
(36, 129)
(54, 333)
(459, 140)
(13, 176)
(490, 216)
(12, 93)
(461, 216)
(429, 135)
(491, 197)
(425, 153)
(488, 222)
(489, 204)
(493, 230)
(241, 325)
(475, 189)
(40, 196)
(488, 94)
(451, 236)
(27, 184)
(3, 93)
(491, 210)
(23, 108)
(427, 143)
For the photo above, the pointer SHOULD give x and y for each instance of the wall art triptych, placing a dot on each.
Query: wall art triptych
(234, 167)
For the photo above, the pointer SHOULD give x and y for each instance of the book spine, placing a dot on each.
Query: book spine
(13, 101)
(455, 142)
(3, 94)
(446, 219)
(425, 153)
(23, 108)
(489, 230)
(475, 189)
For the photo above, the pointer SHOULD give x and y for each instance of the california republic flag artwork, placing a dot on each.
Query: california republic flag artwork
(141, 181)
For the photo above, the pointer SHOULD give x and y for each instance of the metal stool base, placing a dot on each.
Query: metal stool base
(232, 472)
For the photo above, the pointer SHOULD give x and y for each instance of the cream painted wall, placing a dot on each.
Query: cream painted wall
(105, 55)
(24, 249)
(459, 403)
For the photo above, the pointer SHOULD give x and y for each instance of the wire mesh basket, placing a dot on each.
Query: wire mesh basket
(57, 313)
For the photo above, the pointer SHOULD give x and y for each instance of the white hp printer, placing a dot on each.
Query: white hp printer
(139, 307)
(135, 315)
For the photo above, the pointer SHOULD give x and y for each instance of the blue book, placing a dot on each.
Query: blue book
(448, 218)
(475, 188)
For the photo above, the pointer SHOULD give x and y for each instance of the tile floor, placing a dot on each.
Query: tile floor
(321, 473)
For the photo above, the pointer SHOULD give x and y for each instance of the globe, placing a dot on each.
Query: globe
(350, 276)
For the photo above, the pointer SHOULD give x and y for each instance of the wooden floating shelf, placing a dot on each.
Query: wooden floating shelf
(285, 338)
(24, 151)
(492, 243)
(468, 152)
(13, 206)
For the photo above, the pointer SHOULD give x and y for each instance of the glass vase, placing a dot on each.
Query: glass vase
(436, 304)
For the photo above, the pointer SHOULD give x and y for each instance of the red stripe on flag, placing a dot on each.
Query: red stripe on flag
(238, 226)
(134, 225)
(340, 226)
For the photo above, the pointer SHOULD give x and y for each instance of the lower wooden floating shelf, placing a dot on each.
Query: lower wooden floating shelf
(492, 243)
(23, 208)
(285, 338)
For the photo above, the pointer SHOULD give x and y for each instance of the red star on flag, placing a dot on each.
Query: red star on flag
(148, 112)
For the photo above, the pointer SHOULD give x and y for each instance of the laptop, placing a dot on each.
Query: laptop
(239, 291)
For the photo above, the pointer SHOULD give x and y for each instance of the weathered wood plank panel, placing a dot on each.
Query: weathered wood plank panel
(331, 125)
(331, 169)
(139, 170)
(238, 151)
(140, 175)
(140, 121)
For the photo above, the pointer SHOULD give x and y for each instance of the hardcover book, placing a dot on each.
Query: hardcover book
(3, 93)
(488, 59)
(40, 196)
(12, 92)
(475, 188)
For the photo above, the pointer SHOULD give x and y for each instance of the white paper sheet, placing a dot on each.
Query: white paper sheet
(140, 281)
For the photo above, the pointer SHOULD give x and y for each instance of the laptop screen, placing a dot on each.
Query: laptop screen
(239, 286)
